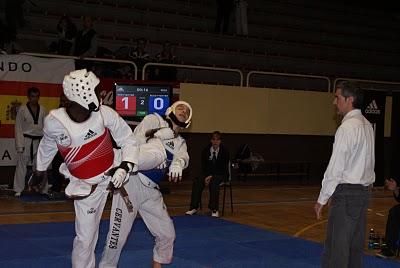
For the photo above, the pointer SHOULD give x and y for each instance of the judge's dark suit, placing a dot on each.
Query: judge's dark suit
(218, 168)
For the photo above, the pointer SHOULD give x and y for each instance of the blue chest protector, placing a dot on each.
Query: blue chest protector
(158, 174)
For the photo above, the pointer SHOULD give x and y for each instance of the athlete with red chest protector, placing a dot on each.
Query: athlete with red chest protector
(82, 133)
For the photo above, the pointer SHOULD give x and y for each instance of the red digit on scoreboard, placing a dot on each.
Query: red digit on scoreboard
(126, 105)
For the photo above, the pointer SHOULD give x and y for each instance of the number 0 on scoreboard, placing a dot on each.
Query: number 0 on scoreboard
(158, 104)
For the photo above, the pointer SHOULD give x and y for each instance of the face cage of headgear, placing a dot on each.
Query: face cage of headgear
(170, 113)
(79, 86)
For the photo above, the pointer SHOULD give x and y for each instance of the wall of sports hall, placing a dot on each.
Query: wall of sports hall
(283, 126)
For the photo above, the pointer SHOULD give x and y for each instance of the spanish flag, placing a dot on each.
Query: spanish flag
(20, 72)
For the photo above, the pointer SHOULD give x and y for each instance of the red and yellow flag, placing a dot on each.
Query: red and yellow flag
(20, 72)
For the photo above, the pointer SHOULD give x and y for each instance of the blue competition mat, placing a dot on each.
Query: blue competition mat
(201, 242)
(42, 198)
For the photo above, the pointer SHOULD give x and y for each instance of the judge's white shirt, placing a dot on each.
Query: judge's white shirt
(353, 155)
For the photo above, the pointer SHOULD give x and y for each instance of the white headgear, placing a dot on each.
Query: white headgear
(79, 87)
(170, 113)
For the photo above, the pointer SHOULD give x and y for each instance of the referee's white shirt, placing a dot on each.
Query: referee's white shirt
(353, 155)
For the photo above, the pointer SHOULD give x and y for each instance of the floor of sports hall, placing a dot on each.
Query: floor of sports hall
(267, 216)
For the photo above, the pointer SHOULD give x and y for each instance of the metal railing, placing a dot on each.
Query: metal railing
(363, 80)
(330, 86)
(192, 67)
(289, 74)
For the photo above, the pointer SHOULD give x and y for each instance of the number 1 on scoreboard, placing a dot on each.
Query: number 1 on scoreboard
(126, 105)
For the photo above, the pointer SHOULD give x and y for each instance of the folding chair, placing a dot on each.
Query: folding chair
(227, 184)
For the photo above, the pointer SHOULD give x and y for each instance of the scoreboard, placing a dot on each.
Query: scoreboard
(135, 101)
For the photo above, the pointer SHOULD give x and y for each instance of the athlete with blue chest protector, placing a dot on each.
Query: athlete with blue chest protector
(143, 189)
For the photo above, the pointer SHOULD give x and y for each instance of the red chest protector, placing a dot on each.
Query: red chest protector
(91, 159)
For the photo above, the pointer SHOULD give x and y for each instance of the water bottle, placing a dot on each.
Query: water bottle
(371, 239)
(377, 240)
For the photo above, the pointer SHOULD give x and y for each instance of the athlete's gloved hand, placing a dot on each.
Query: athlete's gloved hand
(119, 177)
(119, 173)
(37, 180)
(175, 171)
(164, 133)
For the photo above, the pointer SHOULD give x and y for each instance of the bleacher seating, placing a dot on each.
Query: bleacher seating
(306, 37)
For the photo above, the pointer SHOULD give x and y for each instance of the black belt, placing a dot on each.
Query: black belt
(32, 137)
(111, 188)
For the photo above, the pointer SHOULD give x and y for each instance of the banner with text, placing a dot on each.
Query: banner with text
(17, 74)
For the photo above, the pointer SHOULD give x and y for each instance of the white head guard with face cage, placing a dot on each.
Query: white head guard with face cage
(79, 87)
(170, 113)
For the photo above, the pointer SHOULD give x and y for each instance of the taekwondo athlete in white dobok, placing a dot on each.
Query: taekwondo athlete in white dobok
(143, 188)
(28, 132)
(82, 133)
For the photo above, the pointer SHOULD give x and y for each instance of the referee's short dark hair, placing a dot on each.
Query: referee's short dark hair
(352, 89)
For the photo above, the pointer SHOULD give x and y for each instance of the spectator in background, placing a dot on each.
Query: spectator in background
(140, 53)
(28, 133)
(166, 55)
(67, 31)
(86, 40)
(224, 9)
(140, 56)
(3, 38)
(133, 49)
(241, 17)
(392, 232)
(14, 14)
(165, 73)
(215, 169)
